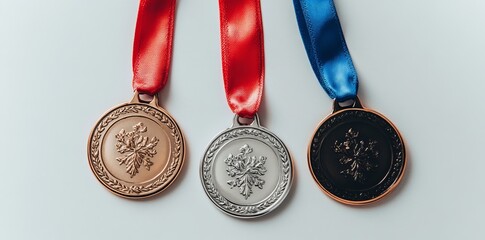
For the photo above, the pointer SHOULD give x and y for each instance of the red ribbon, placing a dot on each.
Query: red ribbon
(242, 54)
(152, 50)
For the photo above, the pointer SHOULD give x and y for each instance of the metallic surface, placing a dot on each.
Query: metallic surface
(136, 150)
(356, 155)
(246, 171)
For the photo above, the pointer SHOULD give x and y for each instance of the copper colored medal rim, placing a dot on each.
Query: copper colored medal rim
(170, 178)
(351, 202)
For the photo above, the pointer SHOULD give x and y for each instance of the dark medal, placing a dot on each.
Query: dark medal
(356, 155)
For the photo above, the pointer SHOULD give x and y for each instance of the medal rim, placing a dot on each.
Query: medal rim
(362, 202)
(175, 175)
(269, 209)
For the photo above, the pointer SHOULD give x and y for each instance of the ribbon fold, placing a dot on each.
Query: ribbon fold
(152, 49)
(326, 48)
(242, 52)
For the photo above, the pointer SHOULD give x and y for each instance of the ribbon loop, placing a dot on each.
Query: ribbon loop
(326, 48)
(242, 51)
(152, 50)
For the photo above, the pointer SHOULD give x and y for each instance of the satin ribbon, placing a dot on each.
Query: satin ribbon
(242, 55)
(326, 48)
(152, 50)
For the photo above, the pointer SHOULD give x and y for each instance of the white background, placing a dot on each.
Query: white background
(64, 63)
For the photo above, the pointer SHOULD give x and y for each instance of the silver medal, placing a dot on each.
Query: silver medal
(246, 171)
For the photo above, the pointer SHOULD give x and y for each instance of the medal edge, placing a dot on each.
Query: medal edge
(267, 210)
(391, 188)
(175, 174)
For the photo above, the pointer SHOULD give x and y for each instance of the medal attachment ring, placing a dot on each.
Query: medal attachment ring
(246, 171)
(136, 150)
(356, 155)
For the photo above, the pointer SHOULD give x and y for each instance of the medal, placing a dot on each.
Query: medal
(137, 149)
(356, 155)
(246, 171)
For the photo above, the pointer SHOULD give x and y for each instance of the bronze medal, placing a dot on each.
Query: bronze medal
(356, 155)
(136, 150)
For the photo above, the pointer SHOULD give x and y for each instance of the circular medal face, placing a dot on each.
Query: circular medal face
(246, 171)
(356, 156)
(136, 150)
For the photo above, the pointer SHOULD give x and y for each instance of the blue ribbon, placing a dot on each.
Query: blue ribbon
(326, 48)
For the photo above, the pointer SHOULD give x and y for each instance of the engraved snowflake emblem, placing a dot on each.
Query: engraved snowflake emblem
(136, 148)
(358, 156)
(245, 170)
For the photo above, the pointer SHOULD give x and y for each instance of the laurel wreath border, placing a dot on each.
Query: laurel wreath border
(246, 210)
(116, 185)
(397, 159)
